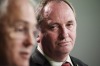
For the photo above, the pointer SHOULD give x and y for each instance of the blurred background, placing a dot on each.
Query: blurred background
(87, 47)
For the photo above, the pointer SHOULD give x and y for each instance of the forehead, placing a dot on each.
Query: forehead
(58, 10)
(21, 11)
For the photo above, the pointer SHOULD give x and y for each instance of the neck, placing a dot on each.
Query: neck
(58, 57)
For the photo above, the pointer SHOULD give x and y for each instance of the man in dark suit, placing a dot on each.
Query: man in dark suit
(57, 34)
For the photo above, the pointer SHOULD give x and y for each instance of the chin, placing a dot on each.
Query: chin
(66, 50)
(23, 64)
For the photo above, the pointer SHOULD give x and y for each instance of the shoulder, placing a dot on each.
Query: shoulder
(77, 62)
(37, 59)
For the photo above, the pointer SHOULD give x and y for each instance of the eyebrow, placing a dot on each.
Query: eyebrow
(70, 21)
(24, 23)
(18, 22)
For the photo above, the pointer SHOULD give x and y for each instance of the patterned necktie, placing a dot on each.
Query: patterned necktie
(66, 64)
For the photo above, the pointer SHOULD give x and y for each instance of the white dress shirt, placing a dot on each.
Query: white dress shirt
(54, 63)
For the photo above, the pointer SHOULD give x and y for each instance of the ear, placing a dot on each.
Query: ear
(38, 38)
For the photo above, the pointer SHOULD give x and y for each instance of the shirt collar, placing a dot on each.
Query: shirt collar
(54, 63)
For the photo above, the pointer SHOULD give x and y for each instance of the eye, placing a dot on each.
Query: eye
(70, 25)
(53, 27)
(20, 29)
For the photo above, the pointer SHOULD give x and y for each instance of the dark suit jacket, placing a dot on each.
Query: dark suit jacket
(37, 59)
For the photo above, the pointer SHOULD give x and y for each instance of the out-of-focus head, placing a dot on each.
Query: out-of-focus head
(57, 25)
(17, 31)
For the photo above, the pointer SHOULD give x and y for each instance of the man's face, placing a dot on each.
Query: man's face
(20, 29)
(58, 30)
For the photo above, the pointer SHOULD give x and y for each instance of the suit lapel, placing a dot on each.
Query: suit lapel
(74, 62)
(38, 58)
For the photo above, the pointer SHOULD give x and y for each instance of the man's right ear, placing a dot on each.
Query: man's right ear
(38, 38)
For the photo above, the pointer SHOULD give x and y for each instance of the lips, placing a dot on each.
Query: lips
(64, 43)
(25, 55)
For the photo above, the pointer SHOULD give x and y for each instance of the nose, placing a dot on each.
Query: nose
(63, 32)
(29, 39)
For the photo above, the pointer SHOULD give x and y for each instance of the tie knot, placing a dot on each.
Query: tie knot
(66, 64)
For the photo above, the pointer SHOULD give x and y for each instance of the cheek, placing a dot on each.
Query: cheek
(52, 36)
(48, 38)
(15, 42)
(73, 36)
(13, 45)
(17, 38)
(12, 49)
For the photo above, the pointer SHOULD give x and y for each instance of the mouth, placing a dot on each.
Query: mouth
(64, 43)
(25, 55)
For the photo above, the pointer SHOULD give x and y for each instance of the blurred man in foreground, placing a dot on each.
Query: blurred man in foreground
(17, 32)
